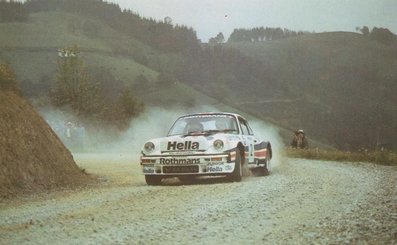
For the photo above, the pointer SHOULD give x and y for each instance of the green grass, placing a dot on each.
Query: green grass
(178, 94)
(33, 66)
(123, 68)
(387, 158)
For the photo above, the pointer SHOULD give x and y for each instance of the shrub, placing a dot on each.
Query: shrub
(388, 158)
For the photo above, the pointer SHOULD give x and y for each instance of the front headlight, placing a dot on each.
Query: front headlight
(149, 147)
(218, 145)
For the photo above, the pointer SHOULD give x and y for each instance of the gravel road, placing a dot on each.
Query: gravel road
(301, 202)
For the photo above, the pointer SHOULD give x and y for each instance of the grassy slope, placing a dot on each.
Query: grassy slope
(31, 48)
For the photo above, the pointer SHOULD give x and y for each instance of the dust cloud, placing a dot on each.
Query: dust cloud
(153, 123)
(269, 133)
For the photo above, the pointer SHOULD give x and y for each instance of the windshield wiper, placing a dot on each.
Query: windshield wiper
(195, 133)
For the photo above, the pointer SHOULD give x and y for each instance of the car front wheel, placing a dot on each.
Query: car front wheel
(238, 171)
(153, 179)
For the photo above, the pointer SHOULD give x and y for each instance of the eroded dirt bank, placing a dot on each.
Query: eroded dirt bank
(301, 201)
(32, 157)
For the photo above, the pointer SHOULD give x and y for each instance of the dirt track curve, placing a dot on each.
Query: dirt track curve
(300, 202)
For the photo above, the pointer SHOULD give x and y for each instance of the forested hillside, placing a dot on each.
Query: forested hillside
(338, 87)
(341, 86)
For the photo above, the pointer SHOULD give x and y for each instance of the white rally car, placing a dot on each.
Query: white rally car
(205, 144)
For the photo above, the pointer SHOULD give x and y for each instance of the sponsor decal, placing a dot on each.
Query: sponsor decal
(261, 154)
(148, 170)
(169, 161)
(214, 163)
(215, 169)
(187, 145)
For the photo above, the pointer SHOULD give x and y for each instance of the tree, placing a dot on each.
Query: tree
(383, 35)
(365, 31)
(110, 86)
(12, 11)
(168, 20)
(218, 39)
(126, 108)
(73, 87)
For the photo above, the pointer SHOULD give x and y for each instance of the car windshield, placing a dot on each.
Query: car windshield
(204, 124)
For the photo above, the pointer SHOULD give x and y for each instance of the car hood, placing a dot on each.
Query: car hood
(188, 143)
(199, 143)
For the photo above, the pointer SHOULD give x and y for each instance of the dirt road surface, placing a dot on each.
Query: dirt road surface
(301, 202)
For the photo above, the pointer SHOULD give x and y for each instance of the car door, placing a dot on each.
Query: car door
(248, 140)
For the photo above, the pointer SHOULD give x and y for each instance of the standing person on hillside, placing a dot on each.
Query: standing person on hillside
(69, 135)
(299, 140)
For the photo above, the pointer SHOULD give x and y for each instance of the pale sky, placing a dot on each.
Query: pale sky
(209, 17)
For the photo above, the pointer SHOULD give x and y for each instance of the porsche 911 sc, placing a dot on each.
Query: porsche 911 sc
(206, 144)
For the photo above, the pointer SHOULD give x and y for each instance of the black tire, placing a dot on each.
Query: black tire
(262, 171)
(237, 174)
(153, 179)
(267, 168)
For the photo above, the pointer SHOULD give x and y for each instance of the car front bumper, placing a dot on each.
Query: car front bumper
(176, 165)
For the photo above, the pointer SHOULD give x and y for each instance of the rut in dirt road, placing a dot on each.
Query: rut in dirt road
(301, 201)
